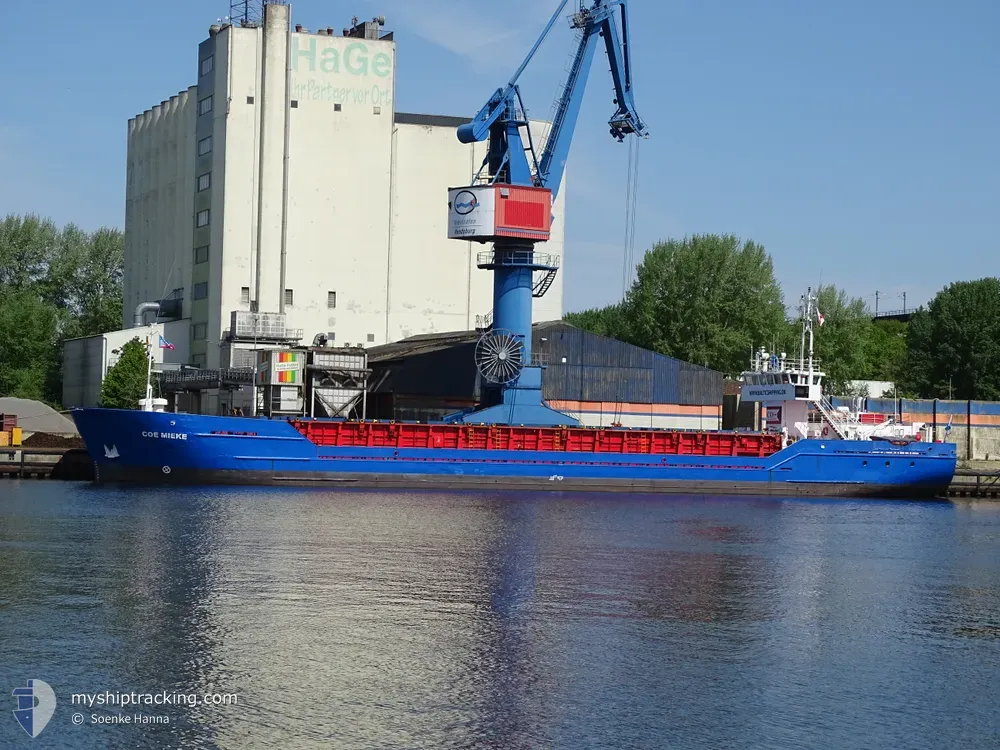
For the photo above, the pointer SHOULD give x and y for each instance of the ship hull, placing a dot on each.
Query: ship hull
(163, 448)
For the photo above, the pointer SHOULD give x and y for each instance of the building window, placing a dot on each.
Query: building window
(331, 300)
(249, 100)
(337, 107)
(289, 297)
(200, 290)
(198, 360)
(245, 295)
(201, 220)
(204, 181)
(207, 65)
(201, 254)
(377, 110)
(371, 337)
(205, 146)
(295, 104)
(199, 331)
(205, 105)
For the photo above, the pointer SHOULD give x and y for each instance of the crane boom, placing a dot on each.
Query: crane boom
(598, 20)
(502, 117)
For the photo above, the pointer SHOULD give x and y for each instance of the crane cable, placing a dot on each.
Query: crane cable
(628, 256)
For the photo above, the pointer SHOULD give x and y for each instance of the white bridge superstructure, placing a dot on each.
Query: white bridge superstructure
(791, 393)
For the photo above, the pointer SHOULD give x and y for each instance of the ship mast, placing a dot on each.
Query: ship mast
(807, 329)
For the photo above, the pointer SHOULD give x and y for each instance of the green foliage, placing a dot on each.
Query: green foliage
(54, 284)
(125, 382)
(607, 321)
(885, 351)
(28, 338)
(27, 245)
(707, 299)
(956, 342)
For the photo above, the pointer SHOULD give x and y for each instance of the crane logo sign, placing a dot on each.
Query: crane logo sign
(465, 203)
(471, 212)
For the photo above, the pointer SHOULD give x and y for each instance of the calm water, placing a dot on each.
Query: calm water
(367, 620)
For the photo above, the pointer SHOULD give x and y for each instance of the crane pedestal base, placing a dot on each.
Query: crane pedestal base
(522, 405)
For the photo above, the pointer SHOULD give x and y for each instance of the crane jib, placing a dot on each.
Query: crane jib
(493, 122)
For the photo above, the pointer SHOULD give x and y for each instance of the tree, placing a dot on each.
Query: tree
(54, 284)
(885, 351)
(954, 344)
(125, 383)
(29, 353)
(707, 299)
(84, 279)
(26, 246)
(605, 321)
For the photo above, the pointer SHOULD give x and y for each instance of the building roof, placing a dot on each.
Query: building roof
(34, 416)
(431, 342)
(425, 343)
(421, 344)
(581, 366)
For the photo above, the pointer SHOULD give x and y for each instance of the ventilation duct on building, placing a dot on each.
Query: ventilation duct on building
(140, 311)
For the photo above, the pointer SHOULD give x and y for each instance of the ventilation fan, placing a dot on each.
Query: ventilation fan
(500, 356)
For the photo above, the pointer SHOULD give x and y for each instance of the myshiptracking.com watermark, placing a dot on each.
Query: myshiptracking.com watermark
(162, 698)
(36, 703)
(115, 707)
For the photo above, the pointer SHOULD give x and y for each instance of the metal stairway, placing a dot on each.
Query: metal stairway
(544, 283)
(836, 419)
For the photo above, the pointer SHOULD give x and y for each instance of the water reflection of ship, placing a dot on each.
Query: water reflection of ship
(504, 662)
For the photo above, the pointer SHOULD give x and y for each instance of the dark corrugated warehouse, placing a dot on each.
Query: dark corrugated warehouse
(598, 380)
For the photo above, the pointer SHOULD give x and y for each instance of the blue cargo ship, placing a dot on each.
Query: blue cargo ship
(806, 446)
(162, 447)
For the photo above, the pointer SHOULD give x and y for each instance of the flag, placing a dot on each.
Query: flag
(164, 344)
(821, 317)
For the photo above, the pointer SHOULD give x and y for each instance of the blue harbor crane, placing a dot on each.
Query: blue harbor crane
(509, 205)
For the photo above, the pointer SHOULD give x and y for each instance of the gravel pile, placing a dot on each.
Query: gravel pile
(34, 416)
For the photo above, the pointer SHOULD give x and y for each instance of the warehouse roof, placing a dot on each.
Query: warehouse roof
(431, 342)
(425, 343)
(581, 366)
(34, 416)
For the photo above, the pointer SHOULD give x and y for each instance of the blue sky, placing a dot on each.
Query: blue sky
(857, 141)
